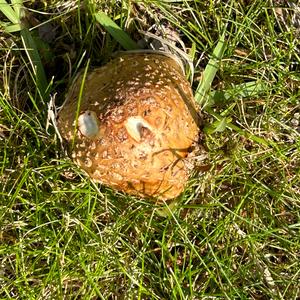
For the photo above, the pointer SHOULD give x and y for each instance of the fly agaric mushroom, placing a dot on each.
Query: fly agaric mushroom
(133, 125)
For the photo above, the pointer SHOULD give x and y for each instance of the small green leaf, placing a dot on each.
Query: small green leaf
(11, 28)
(243, 90)
(240, 131)
(210, 71)
(218, 126)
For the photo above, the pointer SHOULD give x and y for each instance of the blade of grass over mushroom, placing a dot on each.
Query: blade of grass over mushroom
(210, 72)
(117, 33)
(79, 101)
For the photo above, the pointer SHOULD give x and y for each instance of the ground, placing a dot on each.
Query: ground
(234, 232)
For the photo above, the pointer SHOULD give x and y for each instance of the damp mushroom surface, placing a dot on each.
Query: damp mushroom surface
(133, 125)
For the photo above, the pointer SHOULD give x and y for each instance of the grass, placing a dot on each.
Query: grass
(234, 233)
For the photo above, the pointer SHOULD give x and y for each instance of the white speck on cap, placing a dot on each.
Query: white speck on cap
(88, 124)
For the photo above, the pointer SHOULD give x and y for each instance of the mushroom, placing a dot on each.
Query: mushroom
(134, 124)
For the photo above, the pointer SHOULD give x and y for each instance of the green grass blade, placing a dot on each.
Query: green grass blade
(116, 32)
(79, 101)
(210, 71)
(10, 28)
(243, 90)
(17, 5)
(7, 10)
(36, 63)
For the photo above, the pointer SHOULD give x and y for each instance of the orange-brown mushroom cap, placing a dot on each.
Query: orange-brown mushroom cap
(135, 124)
